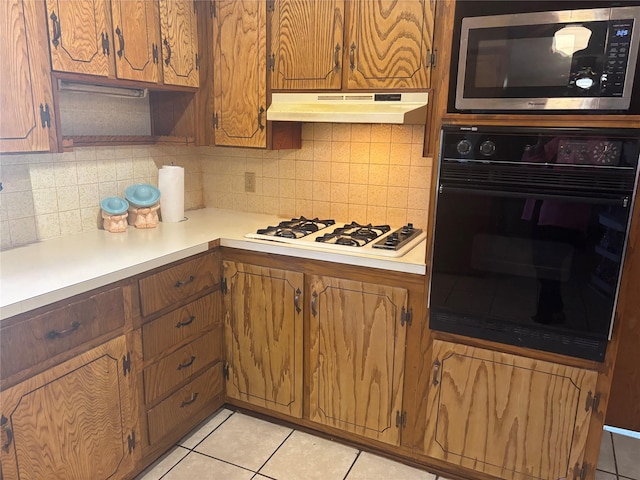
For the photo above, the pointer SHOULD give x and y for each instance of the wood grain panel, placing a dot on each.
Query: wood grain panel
(72, 421)
(357, 350)
(263, 336)
(136, 34)
(307, 44)
(163, 333)
(77, 31)
(178, 283)
(186, 403)
(179, 32)
(507, 416)
(25, 344)
(168, 372)
(239, 32)
(26, 86)
(389, 41)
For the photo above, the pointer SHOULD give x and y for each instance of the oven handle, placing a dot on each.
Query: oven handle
(619, 201)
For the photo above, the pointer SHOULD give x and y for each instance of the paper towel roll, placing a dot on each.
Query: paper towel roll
(171, 185)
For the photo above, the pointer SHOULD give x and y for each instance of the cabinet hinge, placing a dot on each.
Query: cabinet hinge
(271, 6)
(212, 9)
(105, 43)
(131, 441)
(197, 62)
(45, 115)
(592, 402)
(271, 62)
(126, 364)
(154, 53)
(223, 285)
(214, 120)
(225, 371)
(406, 316)
(431, 58)
(580, 472)
(401, 419)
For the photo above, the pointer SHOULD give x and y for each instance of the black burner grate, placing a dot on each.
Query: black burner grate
(296, 227)
(354, 234)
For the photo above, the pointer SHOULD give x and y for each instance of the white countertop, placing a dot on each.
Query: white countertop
(44, 272)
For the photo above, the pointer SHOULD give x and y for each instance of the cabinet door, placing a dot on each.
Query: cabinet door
(306, 47)
(263, 336)
(357, 346)
(136, 34)
(79, 34)
(179, 30)
(25, 96)
(74, 421)
(507, 416)
(240, 78)
(389, 43)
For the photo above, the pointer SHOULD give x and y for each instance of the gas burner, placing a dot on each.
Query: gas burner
(296, 227)
(354, 234)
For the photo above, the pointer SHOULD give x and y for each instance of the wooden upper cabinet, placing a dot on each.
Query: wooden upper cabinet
(263, 336)
(25, 97)
(240, 78)
(136, 36)
(507, 416)
(179, 32)
(356, 359)
(389, 43)
(80, 36)
(74, 421)
(306, 44)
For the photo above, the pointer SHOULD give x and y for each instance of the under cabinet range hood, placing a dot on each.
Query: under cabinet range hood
(398, 108)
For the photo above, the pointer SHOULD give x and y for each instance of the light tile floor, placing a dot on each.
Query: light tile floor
(234, 446)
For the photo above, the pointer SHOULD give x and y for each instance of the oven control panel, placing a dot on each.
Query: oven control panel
(589, 152)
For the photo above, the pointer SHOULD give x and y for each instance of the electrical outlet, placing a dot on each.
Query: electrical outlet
(249, 182)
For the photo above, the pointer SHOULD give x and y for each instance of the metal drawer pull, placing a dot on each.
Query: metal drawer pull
(436, 370)
(189, 402)
(314, 299)
(188, 364)
(186, 322)
(180, 283)
(56, 334)
(56, 29)
(296, 300)
(8, 431)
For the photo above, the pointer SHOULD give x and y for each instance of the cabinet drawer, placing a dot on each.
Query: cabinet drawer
(178, 283)
(171, 329)
(180, 407)
(165, 374)
(44, 336)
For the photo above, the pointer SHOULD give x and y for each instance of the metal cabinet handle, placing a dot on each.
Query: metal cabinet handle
(336, 58)
(180, 283)
(352, 56)
(3, 424)
(296, 300)
(56, 29)
(436, 371)
(188, 364)
(260, 118)
(186, 322)
(314, 300)
(53, 334)
(167, 61)
(190, 401)
(120, 41)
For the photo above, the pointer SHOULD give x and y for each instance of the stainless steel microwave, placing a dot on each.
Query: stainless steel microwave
(562, 60)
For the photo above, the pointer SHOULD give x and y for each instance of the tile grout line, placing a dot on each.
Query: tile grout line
(352, 465)
(274, 452)
(615, 460)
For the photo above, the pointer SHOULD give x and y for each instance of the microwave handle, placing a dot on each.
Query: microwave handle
(616, 201)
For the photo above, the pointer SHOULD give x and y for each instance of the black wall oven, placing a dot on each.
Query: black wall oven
(530, 232)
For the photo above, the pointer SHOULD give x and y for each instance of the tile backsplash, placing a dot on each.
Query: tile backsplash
(367, 173)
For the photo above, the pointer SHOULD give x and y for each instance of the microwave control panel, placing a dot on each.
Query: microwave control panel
(617, 57)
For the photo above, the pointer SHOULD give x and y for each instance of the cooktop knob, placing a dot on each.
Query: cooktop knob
(487, 148)
(464, 147)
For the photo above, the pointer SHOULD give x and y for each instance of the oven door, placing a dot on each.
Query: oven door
(533, 269)
(544, 61)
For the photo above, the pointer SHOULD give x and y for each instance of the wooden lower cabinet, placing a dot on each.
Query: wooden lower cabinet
(507, 416)
(77, 420)
(263, 336)
(357, 347)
